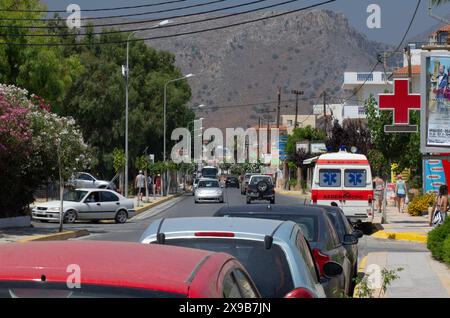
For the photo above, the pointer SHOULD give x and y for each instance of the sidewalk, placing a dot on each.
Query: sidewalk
(298, 194)
(402, 226)
(421, 277)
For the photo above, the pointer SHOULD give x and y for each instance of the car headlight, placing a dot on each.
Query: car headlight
(55, 209)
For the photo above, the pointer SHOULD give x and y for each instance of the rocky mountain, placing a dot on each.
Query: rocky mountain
(240, 68)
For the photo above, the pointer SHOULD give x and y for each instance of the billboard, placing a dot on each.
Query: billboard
(436, 173)
(435, 114)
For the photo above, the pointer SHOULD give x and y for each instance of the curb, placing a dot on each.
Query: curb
(154, 204)
(401, 236)
(56, 236)
(361, 268)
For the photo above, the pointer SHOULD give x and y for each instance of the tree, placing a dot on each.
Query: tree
(400, 148)
(36, 146)
(351, 133)
(97, 98)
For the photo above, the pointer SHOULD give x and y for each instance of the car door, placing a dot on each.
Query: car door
(109, 205)
(338, 253)
(92, 206)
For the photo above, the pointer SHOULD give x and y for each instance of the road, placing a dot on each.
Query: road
(184, 206)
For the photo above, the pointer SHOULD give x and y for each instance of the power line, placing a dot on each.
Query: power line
(118, 16)
(169, 25)
(178, 34)
(398, 47)
(96, 10)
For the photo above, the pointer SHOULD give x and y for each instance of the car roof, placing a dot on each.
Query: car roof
(207, 179)
(242, 227)
(97, 189)
(261, 175)
(269, 209)
(156, 267)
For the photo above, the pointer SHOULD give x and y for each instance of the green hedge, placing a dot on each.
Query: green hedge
(439, 242)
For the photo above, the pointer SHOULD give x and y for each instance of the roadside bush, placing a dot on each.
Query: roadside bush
(439, 242)
(420, 204)
(293, 183)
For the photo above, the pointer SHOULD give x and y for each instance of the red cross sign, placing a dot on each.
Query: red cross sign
(400, 102)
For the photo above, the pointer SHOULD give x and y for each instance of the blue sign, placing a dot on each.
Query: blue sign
(434, 175)
(282, 147)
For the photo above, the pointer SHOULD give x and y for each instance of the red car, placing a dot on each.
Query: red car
(112, 269)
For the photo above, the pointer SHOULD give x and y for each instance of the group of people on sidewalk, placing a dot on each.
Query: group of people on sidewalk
(139, 185)
(440, 207)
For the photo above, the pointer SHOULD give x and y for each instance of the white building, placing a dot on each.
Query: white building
(302, 120)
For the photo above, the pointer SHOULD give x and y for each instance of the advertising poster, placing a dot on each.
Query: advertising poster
(437, 101)
(436, 173)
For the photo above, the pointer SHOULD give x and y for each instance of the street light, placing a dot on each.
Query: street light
(125, 72)
(165, 119)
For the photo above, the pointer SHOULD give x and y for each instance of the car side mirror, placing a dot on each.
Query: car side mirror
(332, 269)
(350, 239)
(358, 233)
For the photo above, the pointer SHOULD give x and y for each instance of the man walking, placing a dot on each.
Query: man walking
(379, 192)
(139, 184)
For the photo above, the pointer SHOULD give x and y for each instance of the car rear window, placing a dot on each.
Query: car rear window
(208, 184)
(255, 180)
(13, 289)
(355, 178)
(267, 267)
(330, 178)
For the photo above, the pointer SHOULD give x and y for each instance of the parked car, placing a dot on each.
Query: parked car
(260, 187)
(245, 182)
(208, 190)
(86, 180)
(275, 253)
(231, 182)
(319, 231)
(87, 204)
(344, 227)
(155, 271)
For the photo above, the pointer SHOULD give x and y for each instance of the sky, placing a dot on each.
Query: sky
(395, 14)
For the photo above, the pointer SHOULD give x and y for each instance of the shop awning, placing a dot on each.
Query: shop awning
(310, 160)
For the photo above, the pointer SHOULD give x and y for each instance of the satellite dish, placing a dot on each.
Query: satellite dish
(353, 149)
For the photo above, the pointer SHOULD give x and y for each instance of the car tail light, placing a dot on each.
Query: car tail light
(300, 293)
(369, 199)
(321, 259)
(314, 198)
(215, 234)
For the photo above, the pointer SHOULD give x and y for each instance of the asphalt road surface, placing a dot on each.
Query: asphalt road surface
(184, 206)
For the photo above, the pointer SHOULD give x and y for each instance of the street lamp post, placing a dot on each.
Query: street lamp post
(126, 71)
(165, 124)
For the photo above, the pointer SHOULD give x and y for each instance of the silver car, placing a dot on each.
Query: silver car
(87, 204)
(208, 190)
(86, 180)
(275, 253)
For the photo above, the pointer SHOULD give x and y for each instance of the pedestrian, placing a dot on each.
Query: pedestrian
(379, 193)
(440, 207)
(400, 192)
(139, 184)
(158, 184)
(150, 184)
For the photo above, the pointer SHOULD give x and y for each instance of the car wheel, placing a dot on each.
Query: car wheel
(70, 216)
(272, 201)
(121, 217)
(195, 201)
(249, 201)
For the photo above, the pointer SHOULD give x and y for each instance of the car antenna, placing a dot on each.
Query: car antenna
(268, 239)
(160, 237)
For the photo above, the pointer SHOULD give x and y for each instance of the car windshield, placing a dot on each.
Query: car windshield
(15, 289)
(268, 267)
(74, 195)
(256, 180)
(208, 184)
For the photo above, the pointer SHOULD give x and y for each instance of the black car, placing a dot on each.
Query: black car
(343, 227)
(319, 232)
(231, 182)
(260, 187)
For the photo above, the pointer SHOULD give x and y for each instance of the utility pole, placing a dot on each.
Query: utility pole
(296, 92)
(279, 107)
(325, 112)
(408, 55)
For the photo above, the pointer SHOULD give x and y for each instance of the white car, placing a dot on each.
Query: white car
(208, 190)
(87, 204)
(86, 180)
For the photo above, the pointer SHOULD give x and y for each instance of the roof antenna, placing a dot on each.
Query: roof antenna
(160, 237)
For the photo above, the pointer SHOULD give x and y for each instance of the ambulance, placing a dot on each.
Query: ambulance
(344, 179)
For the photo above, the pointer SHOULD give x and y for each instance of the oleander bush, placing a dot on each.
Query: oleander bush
(420, 204)
(439, 242)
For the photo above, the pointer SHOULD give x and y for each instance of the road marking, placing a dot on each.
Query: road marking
(158, 209)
